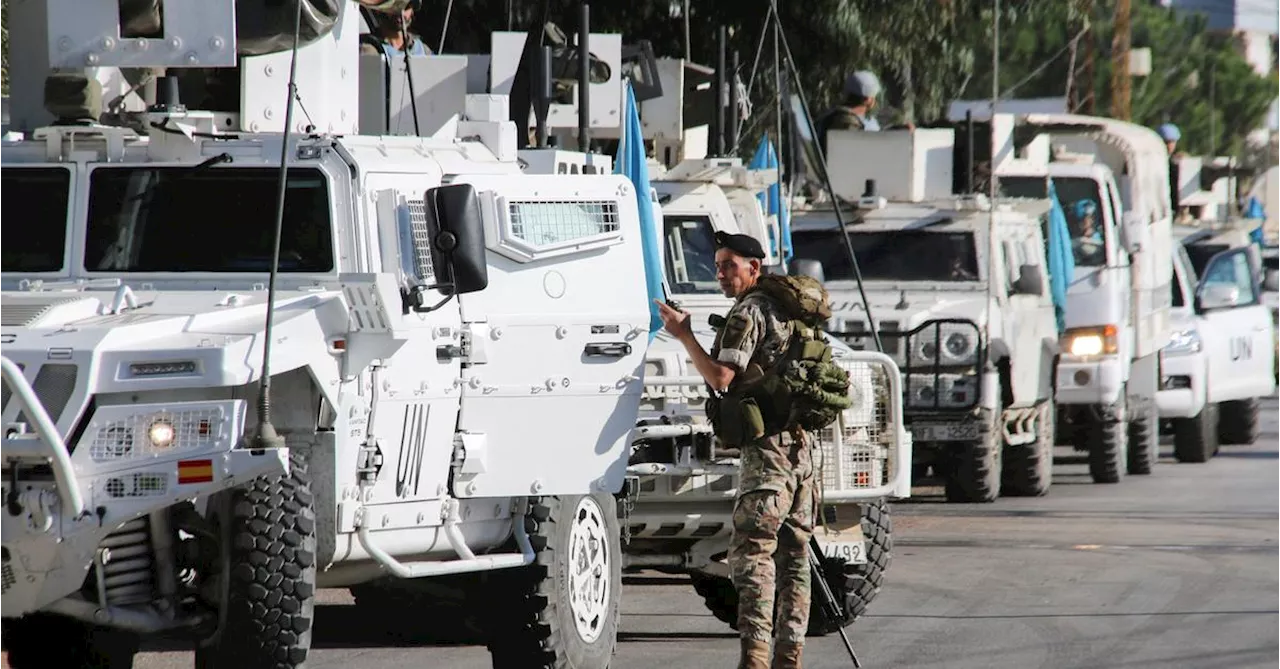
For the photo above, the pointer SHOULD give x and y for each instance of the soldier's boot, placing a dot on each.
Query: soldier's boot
(755, 654)
(786, 655)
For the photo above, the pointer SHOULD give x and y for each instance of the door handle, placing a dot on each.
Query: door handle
(610, 349)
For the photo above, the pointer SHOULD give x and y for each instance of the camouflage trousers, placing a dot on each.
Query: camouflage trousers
(769, 549)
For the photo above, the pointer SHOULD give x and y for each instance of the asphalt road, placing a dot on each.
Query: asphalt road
(1176, 569)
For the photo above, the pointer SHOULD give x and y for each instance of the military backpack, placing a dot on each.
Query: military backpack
(805, 388)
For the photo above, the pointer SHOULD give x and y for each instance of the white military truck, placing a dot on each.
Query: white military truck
(1112, 179)
(456, 353)
(1217, 363)
(958, 292)
(683, 483)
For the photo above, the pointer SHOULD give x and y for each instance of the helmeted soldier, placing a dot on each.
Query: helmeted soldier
(858, 100)
(773, 515)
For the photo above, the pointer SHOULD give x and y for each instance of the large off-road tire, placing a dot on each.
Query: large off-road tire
(1196, 439)
(562, 611)
(1028, 469)
(44, 640)
(1108, 444)
(1238, 422)
(854, 586)
(1144, 441)
(975, 468)
(272, 572)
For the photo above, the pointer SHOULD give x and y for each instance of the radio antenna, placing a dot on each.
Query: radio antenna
(267, 436)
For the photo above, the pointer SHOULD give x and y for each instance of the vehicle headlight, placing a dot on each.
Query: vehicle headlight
(161, 434)
(957, 345)
(1099, 340)
(1183, 342)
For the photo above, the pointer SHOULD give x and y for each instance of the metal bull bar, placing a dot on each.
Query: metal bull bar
(899, 481)
(49, 439)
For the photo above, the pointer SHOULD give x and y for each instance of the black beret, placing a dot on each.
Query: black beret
(743, 245)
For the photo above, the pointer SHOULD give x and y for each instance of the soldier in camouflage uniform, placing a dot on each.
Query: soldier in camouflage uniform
(773, 515)
(854, 111)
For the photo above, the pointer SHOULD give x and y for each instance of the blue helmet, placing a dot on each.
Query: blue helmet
(1169, 132)
(1085, 207)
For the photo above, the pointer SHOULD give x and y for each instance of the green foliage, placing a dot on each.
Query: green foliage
(1198, 81)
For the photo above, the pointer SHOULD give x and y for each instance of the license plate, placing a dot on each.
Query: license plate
(945, 432)
(853, 552)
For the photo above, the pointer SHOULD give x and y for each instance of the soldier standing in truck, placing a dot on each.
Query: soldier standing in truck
(774, 509)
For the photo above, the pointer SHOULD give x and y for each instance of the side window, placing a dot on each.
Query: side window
(1231, 273)
(554, 223)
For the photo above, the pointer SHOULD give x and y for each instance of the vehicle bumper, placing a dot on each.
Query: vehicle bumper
(1089, 381)
(49, 548)
(1183, 389)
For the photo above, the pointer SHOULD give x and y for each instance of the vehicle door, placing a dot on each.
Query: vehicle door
(1228, 300)
(417, 393)
(556, 343)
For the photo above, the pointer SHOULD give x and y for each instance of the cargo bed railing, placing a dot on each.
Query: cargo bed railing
(47, 438)
(842, 458)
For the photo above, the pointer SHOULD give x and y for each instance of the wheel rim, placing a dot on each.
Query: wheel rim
(589, 569)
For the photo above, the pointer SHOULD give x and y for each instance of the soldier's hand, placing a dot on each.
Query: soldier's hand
(673, 320)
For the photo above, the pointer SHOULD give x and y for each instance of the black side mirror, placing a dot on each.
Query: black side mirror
(808, 267)
(457, 243)
(1030, 281)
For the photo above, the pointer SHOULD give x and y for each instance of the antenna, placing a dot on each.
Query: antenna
(267, 436)
(826, 176)
(992, 245)
(584, 78)
(408, 68)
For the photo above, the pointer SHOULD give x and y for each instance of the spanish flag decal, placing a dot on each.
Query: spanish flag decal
(195, 471)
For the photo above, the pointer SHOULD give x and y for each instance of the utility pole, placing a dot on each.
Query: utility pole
(1121, 82)
(1087, 83)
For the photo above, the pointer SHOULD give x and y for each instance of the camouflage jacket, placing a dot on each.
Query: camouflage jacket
(754, 337)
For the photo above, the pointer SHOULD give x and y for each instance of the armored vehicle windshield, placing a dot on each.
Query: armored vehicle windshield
(691, 253)
(176, 219)
(1081, 202)
(35, 220)
(899, 255)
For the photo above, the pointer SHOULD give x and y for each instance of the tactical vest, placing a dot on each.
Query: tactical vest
(804, 389)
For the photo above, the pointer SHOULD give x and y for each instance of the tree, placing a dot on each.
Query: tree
(4, 47)
(1198, 81)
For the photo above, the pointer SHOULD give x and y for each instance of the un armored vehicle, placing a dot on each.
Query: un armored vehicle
(957, 289)
(432, 377)
(681, 482)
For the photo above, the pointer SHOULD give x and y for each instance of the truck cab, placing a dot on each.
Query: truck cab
(1112, 179)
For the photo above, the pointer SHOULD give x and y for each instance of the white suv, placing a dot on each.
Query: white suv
(1214, 366)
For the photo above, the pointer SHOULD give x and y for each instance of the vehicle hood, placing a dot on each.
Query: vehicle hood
(222, 333)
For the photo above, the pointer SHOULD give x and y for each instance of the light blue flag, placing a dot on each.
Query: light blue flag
(632, 163)
(1062, 261)
(1258, 212)
(771, 200)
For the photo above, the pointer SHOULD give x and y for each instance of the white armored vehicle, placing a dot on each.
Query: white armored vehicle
(682, 482)
(958, 292)
(1112, 178)
(454, 350)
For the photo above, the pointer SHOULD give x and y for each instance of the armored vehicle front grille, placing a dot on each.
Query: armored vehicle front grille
(7, 579)
(54, 386)
(6, 392)
(858, 337)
